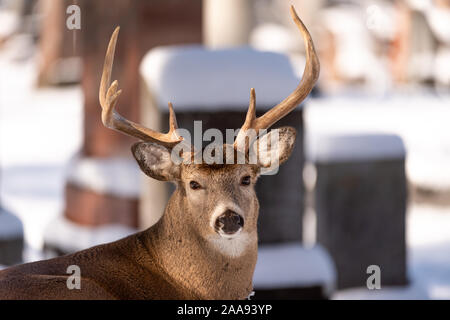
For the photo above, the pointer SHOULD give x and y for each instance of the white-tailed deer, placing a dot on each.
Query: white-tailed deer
(205, 245)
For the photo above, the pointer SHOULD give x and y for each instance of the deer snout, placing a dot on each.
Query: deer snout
(229, 223)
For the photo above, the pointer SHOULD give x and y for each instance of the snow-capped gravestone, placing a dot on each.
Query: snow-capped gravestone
(213, 86)
(360, 201)
(292, 271)
(90, 220)
(11, 239)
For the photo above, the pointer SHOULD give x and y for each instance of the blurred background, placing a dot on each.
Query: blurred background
(360, 211)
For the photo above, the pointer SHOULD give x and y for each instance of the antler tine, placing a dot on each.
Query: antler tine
(310, 76)
(251, 113)
(173, 125)
(111, 119)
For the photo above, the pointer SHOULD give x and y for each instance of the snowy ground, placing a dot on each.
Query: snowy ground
(40, 130)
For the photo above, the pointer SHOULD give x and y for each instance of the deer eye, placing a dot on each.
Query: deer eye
(246, 181)
(195, 185)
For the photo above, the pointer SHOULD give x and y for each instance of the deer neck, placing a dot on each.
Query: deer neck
(193, 263)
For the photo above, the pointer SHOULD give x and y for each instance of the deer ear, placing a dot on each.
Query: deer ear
(274, 148)
(155, 161)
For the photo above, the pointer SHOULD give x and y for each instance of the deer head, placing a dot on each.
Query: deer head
(218, 200)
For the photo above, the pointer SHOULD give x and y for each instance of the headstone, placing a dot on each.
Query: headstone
(360, 202)
(214, 87)
(292, 271)
(115, 179)
(11, 239)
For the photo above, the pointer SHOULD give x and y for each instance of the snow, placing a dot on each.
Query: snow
(418, 117)
(354, 54)
(352, 29)
(113, 176)
(9, 22)
(442, 66)
(71, 237)
(196, 78)
(274, 37)
(430, 249)
(413, 292)
(24, 110)
(291, 264)
(336, 148)
(438, 18)
(381, 19)
(419, 5)
(10, 226)
(40, 131)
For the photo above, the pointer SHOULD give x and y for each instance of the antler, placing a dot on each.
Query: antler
(111, 119)
(310, 76)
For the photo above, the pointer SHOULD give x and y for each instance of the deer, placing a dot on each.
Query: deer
(205, 244)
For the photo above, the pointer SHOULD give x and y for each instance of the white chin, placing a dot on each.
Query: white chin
(232, 245)
(229, 236)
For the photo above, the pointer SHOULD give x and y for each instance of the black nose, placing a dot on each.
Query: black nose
(229, 222)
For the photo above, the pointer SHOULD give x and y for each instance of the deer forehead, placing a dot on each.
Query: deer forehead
(218, 172)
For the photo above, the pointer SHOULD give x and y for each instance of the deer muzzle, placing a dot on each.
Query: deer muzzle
(229, 223)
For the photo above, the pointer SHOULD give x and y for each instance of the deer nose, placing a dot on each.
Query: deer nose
(229, 222)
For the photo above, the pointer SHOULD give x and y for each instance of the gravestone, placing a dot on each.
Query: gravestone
(360, 201)
(11, 239)
(294, 272)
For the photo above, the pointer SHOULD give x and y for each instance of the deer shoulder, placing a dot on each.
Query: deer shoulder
(119, 270)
